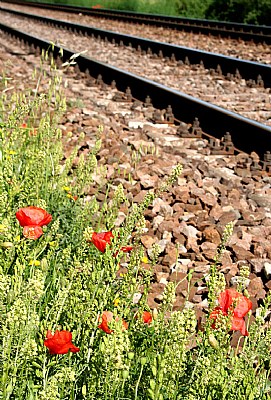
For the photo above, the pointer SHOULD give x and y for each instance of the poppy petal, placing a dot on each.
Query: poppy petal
(238, 324)
(100, 240)
(244, 305)
(32, 215)
(60, 342)
(32, 232)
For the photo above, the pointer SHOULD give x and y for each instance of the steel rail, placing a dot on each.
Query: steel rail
(247, 69)
(247, 32)
(247, 135)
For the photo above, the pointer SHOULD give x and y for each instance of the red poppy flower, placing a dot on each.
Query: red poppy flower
(147, 317)
(100, 240)
(33, 216)
(32, 219)
(60, 342)
(126, 249)
(234, 304)
(107, 316)
(32, 232)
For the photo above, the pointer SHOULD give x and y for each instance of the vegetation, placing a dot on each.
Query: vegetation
(243, 11)
(72, 326)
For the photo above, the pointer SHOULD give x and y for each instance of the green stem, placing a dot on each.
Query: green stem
(138, 381)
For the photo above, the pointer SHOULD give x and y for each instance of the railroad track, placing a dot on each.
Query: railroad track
(215, 121)
(228, 65)
(246, 32)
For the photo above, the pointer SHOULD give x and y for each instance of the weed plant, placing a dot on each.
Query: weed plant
(70, 325)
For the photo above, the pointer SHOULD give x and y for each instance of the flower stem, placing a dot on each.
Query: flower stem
(138, 381)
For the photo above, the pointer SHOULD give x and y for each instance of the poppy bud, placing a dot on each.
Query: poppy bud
(125, 374)
(213, 342)
(7, 245)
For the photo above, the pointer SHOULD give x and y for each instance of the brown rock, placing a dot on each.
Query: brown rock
(161, 268)
(268, 285)
(255, 287)
(211, 235)
(208, 199)
(192, 293)
(258, 264)
(179, 303)
(191, 244)
(157, 288)
(208, 249)
(182, 286)
(216, 212)
(227, 217)
(202, 267)
(197, 298)
(251, 216)
(170, 258)
(151, 301)
(177, 276)
(148, 241)
(226, 259)
(167, 225)
(241, 239)
(161, 277)
(241, 253)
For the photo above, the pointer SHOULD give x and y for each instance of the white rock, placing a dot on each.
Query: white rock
(157, 221)
(267, 270)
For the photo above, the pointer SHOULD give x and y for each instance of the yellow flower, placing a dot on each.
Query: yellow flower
(69, 196)
(12, 152)
(66, 188)
(145, 260)
(36, 263)
(116, 302)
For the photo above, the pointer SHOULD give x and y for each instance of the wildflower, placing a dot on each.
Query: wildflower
(32, 219)
(145, 260)
(116, 302)
(70, 196)
(102, 239)
(126, 249)
(32, 232)
(33, 216)
(147, 317)
(234, 305)
(60, 342)
(36, 263)
(33, 132)
(24, 125)
(107, 316)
